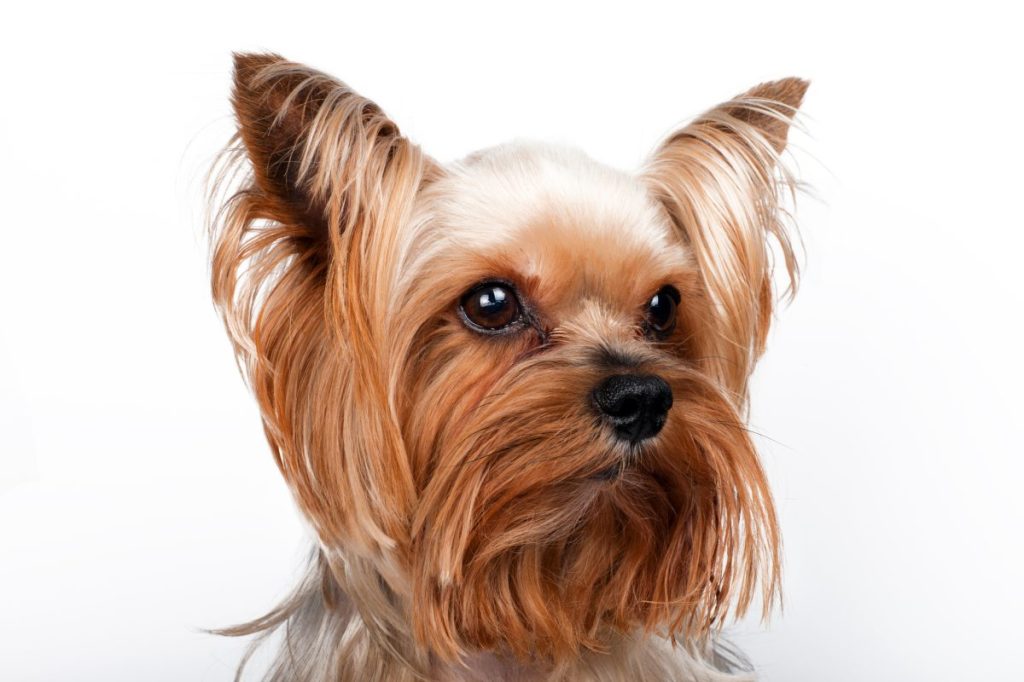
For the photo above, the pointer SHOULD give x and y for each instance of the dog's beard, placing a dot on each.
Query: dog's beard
(540, 535)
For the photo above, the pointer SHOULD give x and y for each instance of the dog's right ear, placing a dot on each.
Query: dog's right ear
(308, 213)
(319, 151)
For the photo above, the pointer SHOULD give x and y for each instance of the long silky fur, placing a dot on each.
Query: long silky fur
(433, 559)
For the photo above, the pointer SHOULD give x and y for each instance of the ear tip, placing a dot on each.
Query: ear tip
(789, 91)
(796, 88)
(248, 64)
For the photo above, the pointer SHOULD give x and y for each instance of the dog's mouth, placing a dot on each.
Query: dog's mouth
(612, 473)
(631, 460)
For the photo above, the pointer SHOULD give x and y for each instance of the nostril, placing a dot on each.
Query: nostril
(635, 404)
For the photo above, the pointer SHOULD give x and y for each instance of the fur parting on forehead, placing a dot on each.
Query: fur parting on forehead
(485, 201)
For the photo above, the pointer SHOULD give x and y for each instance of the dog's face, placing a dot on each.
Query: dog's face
(569, 455)
(510, 389)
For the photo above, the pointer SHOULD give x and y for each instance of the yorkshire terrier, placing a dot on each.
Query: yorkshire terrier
(508, 393)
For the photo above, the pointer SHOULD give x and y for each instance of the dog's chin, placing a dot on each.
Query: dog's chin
(553, 570)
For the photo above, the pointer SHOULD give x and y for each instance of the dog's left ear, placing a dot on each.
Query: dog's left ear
(720, 180)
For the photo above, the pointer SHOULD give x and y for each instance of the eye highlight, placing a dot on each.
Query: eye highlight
(660, 316)
(491, 307)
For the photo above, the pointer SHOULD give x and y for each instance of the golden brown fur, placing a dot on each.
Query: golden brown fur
(452, 478)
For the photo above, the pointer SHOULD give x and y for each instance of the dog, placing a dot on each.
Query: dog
(508, 393)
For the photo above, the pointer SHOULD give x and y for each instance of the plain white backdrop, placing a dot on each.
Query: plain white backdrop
(138, 500)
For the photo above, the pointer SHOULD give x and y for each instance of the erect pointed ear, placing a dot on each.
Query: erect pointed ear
(318, 149)
(769, 108)
(720, 180)
(307, 235)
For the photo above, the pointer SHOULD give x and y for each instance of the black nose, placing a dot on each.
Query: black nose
(635, 404)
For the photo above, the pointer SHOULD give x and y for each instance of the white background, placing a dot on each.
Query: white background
(138, 501)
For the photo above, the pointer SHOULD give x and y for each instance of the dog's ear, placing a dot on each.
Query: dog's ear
(317, 148)
(311, 207)
(721, 181)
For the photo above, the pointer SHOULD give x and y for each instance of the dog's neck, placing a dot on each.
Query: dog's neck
(327, 638)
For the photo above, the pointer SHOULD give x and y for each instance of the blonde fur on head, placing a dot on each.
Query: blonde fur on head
(487, 504)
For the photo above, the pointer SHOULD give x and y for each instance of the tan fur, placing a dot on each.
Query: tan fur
(450, 476)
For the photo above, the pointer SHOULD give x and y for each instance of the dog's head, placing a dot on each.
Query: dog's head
(509, 392)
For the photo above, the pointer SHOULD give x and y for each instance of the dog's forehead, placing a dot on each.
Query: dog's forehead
(558, 217)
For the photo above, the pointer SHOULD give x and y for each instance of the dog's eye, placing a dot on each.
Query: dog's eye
(490, 307)
(661, 310)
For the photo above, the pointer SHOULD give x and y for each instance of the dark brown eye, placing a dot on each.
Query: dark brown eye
(490, 307)
(661, 310)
